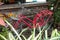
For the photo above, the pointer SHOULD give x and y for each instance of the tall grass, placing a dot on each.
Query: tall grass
(42, 35)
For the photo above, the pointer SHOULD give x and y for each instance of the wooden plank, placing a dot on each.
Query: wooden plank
(13, 6)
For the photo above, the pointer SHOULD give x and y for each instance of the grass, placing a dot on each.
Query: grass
(55, 35)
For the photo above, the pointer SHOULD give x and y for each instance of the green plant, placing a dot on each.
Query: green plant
(42, 31)
(3, 31)
(57, 16)
(55, 35)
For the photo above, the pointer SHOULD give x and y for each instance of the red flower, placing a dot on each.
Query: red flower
(40, 17)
